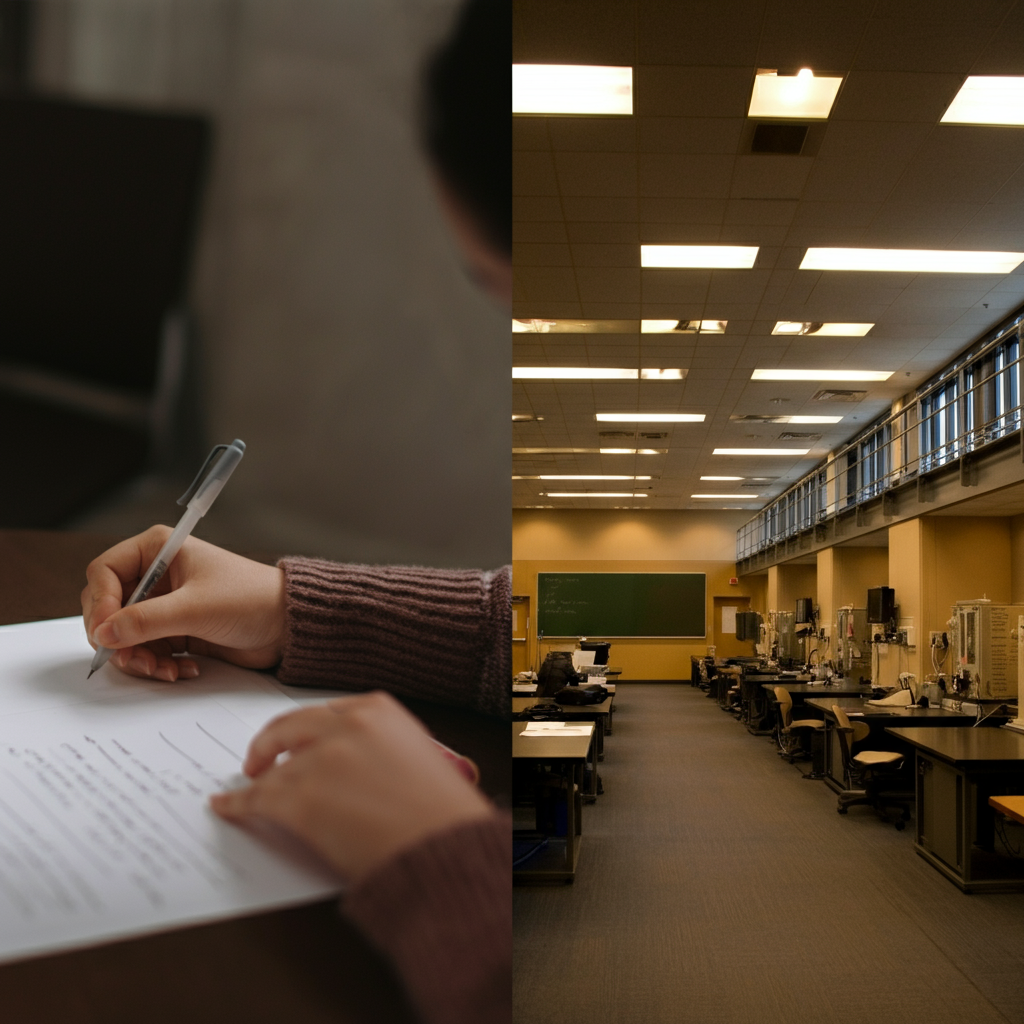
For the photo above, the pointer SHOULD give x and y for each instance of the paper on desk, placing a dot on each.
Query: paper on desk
(558, 728)
(105, 830)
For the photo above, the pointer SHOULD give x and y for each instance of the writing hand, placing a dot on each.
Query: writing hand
(209, 601)
(363, 781)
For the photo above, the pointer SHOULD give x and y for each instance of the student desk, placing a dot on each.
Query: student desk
(306, 965)
(567, 755)
(957, 771)
(525, 689)
(876, 718)
(599, 714)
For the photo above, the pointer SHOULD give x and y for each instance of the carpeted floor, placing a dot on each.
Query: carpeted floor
(715, 886)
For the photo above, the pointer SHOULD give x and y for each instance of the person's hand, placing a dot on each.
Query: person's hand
(209, 602)
(363, 781)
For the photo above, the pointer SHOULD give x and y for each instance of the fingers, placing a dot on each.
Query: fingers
(287, 734)
(147, 663)
(110, 573)
(172, 614)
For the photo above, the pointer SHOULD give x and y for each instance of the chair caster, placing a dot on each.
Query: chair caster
(842, 810)
(900, 825)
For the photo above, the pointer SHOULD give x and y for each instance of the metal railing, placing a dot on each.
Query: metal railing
(973, 402)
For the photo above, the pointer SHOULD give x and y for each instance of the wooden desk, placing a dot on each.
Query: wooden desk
(1011, 806)
(567, 754)
(599, 714)
(877, 719)
(957, 771)
(303, 965)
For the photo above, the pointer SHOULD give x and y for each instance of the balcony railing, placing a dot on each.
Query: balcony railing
(974, 402)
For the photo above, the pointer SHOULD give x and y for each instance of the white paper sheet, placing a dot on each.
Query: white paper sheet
(729, 618)
(104, 825)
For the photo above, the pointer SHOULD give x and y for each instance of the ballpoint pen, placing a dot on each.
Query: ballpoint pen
(209, 482)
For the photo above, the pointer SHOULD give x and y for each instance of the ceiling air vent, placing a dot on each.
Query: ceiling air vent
(779, 138)
(617, 433)
(653, 435)
(792, 435)
(831, 395)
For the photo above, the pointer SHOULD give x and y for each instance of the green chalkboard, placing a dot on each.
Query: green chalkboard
(619, 604)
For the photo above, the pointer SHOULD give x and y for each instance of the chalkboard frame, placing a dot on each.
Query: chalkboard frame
(542, 577)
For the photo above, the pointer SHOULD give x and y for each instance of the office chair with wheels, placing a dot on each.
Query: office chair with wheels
(872, 777)
(789, 732)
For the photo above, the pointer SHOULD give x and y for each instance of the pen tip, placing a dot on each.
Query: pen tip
(89, 676)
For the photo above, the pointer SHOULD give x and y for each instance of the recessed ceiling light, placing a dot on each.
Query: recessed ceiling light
(526, 417)
(801, 96)
(724, 256)
(822, 330)
(555, 451)
(571, 89)
(572, 373)
(650, 417)
(761, 451)
(649, 373)
(532, 326)
(594, 494)
(592, 476)
(683, 326)
(741, 497)
(634, 451)
(821, 374)
(988, 99)
(786, 419)
(916, 261)
(721, 479)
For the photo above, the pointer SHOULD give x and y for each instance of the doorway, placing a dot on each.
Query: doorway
(724, 625)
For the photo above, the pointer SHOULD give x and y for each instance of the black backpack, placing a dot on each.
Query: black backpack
(577, 695)
(556, 673)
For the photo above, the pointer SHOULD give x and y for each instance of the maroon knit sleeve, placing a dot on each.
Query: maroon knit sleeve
(442, 912)
(439, 634)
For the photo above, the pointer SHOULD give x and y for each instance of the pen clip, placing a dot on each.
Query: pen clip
(194, 486)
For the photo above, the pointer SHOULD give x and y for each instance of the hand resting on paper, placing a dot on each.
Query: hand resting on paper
(209, 602)
(362, 782)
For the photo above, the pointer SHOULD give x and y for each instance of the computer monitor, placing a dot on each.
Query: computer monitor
(804, 610)
(600, 649)
(881, 605)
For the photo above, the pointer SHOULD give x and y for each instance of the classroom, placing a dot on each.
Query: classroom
(747, 389)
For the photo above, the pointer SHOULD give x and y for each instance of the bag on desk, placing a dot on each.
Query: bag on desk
(540, 713)
(577, 695)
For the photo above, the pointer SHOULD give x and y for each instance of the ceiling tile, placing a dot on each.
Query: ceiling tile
(533, 174)
(538, 231)
(684, 176)
(675, 91)
(573, 32)
(597, 174)
(588, 255)
(604, 208)
(530, 254)
(539, 208)
(673, 286)
(893, 96)
(605, 284)
(543, 284)
(698, 136)
(593, 134)
(599, 232)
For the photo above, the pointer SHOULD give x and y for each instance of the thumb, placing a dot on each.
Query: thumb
(168, 615)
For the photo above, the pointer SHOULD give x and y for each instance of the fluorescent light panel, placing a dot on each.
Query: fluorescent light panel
(650, 417)
(761, 451)
(739, 257)
(572, 373)
(741, 497)
(988, 99)
(683, 326)
(722, 479)
(634, 451)
(591, 476)
(821, 330)
(818, 375)
(571, 89)
(594, 494)
(802, 96)
(916, 261)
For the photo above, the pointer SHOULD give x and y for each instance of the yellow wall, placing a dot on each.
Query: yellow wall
(622, 541)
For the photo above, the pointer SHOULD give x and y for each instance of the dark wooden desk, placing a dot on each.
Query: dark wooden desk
(567, 754)
(957, 771)
(303, 965)
(599, 714)
(877, 719)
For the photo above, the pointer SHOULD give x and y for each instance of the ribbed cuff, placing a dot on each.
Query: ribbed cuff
(438, 634)
(442, 911)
